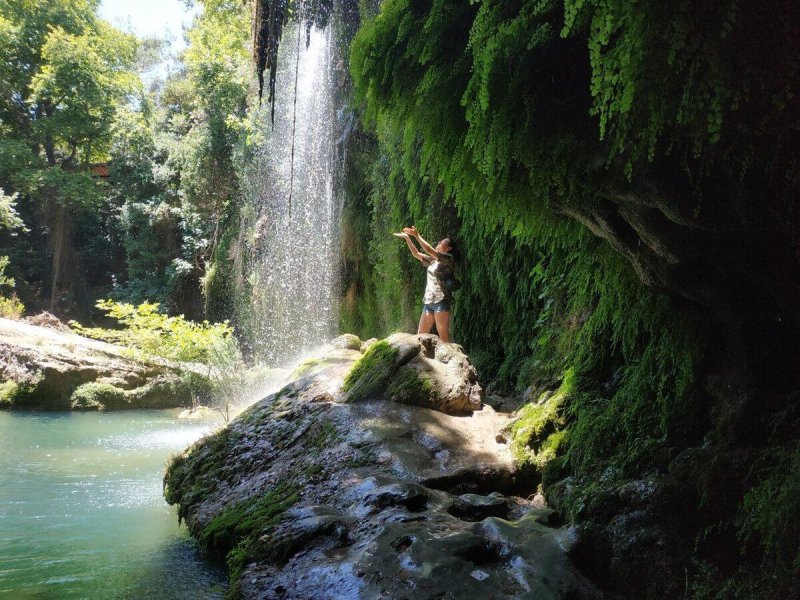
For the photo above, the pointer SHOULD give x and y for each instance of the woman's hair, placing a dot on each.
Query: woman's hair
(454, 252)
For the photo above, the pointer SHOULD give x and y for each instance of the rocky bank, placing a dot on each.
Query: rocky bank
(377, 472)
(51, 368)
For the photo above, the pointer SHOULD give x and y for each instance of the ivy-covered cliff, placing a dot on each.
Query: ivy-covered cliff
(622, 179)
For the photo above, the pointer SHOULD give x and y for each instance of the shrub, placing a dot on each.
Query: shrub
(11, 307)
(97, 396)
(152, 335)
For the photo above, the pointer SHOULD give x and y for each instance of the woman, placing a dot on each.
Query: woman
(438, 299)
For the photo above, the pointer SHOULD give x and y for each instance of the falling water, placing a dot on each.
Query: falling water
(294, 264)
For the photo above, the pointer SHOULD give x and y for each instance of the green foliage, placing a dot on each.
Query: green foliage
(506, 138)
(97, 396)
(65, 73)
(663, 78)
(174, 176)
(9, 393)
(371, 372)
(768, 516)
(9, 218)
(153, 335)
(49, 52)
(10, 306)
(535, 128)
(216, 372)
(97, 60)
(163, 222)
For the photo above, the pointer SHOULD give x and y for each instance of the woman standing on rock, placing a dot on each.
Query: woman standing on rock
(440, 284)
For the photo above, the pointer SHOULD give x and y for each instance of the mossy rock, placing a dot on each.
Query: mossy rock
(409, 386)
(347, 341)
(370, 374)
(240, 532)
(539, 433)
(168, 392)
(312, 366)
(159, 393)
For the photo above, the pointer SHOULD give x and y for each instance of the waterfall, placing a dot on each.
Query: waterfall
(293, 269)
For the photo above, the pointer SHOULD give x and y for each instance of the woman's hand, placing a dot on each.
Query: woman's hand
(411, 231)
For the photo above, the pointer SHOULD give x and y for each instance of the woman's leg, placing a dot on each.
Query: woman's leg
(425, 322)
(442, 319)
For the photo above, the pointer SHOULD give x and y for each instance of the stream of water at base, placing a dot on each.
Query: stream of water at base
(82, 513)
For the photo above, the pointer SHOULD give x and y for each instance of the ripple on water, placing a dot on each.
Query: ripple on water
(82, 510)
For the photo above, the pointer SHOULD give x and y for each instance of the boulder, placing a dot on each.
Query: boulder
(634, 534)
(329, 490)
(420, 370)
(474, 507)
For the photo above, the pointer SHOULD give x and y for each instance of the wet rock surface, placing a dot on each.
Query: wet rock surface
(310, 494)
(41, 367)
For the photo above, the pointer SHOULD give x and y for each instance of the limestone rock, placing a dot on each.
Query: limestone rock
(310, 494)
(347, 341)
(420, 370)
(43, 367)
(45, 319)
(474, 507)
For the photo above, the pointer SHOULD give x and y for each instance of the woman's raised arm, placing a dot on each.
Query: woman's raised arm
(423, 258)
(430, 250)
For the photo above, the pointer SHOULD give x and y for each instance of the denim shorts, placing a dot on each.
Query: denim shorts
(443, 306)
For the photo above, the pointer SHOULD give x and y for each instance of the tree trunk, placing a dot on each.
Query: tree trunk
(59, 239)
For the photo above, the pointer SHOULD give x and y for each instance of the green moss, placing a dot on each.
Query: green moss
(538, 434)
(194, 473)
(97, 396)
(370, 374)
(550, 448)
(411, 387)
(313, 469)
(308, 367)
(238, 532)
(322, 435)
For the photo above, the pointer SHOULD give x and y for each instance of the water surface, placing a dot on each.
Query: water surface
(82, 513)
